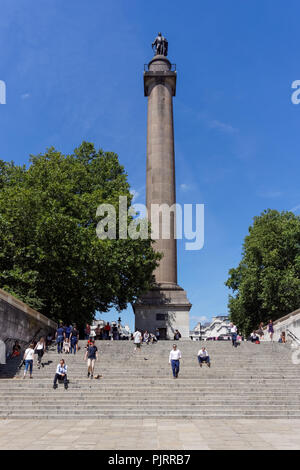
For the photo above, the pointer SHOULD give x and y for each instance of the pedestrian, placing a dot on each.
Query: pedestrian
(107, 330)
(67, 346)
(68, 331)
(92, 334)
(98, 332)
(271, 329)
(87, 331)
(61, 374)
(28, 358)
(48, 340)
(233, 330)
(203, 357)
(74, 339)
(260, 331)
(153, 338)
(282, 338)
(91, 356)
(137, 339)
(254, 337)
(146, 337)
(16, 350)
(40, 350)
(177, 335)
(174, 360)
(59, 336)
(115, 332)
(157, 334)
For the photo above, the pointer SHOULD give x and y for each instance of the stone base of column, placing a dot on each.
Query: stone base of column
(165, 307)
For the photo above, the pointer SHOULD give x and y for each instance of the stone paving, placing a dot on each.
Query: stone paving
(148, 434)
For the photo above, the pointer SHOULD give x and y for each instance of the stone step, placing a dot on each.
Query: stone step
(143, 395)
(140, 408)
(252, 381)
(144, 401)
(165, 417)
(182, 381)
(152, 414)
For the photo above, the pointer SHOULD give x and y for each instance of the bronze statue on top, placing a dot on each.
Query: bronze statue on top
(161, 45)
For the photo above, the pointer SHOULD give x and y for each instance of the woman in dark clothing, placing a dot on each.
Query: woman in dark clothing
(271, 330)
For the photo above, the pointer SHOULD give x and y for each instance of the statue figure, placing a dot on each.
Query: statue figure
(161, 45)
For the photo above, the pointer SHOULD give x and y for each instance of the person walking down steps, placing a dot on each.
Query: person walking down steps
(40, 350)
(61, 374)
(233, 330)
(137, 339)
(174, 360)
(91, 356)
(74, 339)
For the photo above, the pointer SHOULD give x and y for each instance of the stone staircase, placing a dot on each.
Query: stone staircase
(251, 381)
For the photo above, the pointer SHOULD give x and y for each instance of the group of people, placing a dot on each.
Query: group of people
(258, 335)
(140, 337)
(91, 355)
(35, 348)
(107, 332)
(66, 338)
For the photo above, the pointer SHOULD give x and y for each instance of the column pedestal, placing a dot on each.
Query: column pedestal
(166, 308)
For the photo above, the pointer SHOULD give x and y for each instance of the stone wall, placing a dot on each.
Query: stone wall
(19, 321)
(288, 322)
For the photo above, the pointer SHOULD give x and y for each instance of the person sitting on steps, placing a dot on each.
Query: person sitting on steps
(203, 357)
(177, 335)
(61, 374)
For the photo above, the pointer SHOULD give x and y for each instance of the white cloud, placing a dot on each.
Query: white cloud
(201, 319)
(184, 187)
(295, 209)
(215, 124)
(270, 194)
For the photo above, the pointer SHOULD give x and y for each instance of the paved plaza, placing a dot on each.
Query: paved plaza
(156, 434)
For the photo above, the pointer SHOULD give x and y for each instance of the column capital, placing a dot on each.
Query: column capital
(159, 71)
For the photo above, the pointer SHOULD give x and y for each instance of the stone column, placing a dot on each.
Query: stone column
(166, 306)
(160, 87)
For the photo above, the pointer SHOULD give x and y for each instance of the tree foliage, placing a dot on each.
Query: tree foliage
(266, 284)
(50, 256)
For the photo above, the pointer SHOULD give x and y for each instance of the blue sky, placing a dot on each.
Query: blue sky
(74, 71)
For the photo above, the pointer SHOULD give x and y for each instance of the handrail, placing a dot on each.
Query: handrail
(9, 338)
(293, 336)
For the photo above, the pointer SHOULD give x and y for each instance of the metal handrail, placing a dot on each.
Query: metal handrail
(9, 338)
(293, 336)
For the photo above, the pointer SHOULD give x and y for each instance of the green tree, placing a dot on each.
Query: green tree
(266, 284)
(50, 256)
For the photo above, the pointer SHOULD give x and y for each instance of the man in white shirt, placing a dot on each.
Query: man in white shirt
(61, 374)
(233, 330)
(137, 339)
(174, 360)
(203, 357)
